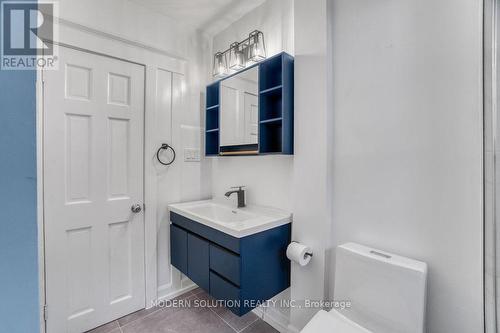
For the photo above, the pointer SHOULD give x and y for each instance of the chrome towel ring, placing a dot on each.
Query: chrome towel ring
(165, 146)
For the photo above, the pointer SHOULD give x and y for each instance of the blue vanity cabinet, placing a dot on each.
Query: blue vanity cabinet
(275, 95)
(241, 271)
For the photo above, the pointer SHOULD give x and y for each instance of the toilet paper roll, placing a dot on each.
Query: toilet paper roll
(299, 253)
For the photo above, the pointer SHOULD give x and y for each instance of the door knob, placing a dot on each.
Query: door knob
(136, 208)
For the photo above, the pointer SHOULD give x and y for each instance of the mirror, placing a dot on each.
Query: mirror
(239, 112)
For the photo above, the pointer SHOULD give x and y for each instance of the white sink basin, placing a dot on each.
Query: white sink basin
(222, 214)
(237, 222)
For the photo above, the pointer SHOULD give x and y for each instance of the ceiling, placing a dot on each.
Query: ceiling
(211, 16)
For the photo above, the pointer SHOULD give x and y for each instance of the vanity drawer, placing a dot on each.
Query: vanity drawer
(198, 261)
(179, 248)
(222, 290)
(225, 263)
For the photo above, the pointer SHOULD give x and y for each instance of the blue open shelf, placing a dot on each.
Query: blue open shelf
(212, 120)
(272, 120)
(270, 90)
(276, 105)
(213, 95)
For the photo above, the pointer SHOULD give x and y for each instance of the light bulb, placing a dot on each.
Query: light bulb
(236, 57)
(220, 67)
(257, 48)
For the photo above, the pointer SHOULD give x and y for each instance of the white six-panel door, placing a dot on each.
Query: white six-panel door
(93, 175)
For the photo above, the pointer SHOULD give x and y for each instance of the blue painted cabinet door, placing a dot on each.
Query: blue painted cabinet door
(178, 248)
(198, 261)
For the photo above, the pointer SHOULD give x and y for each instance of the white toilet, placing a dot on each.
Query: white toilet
(387, 293)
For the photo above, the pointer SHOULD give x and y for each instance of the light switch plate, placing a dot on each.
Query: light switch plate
(191, 155)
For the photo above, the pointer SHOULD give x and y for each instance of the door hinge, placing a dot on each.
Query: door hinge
(144, 207)
(45, 312)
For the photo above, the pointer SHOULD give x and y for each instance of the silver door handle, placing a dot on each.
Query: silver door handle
(136, 208)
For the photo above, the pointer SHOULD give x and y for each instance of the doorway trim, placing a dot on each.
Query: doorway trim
(153, 59)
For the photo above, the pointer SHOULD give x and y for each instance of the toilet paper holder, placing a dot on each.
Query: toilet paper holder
(299, 253)
(307, 254)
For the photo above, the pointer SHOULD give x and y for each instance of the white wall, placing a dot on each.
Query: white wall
(407, 142)
(267, 178)
(133, 22)
(311, 220)
(391, 156)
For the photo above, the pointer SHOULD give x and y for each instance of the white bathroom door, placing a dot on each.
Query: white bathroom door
(93, 174)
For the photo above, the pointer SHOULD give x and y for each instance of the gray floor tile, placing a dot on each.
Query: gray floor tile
(237, 323)
(152, 323)
(185, 295)
(106, 328)
(146, 312)
(179, 320)
(187, 317)
(208, 300)
(196, 291)
(136, 315)
(260, 326)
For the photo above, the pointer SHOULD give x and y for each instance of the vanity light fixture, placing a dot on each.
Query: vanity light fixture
(248, 51)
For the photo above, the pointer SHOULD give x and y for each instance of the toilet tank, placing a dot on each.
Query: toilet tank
(387, 292)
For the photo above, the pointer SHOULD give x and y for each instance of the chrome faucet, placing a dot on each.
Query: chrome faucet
(241, 195)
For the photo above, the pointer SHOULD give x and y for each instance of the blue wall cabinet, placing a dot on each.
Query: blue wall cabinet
(243, 271)
(275, 108)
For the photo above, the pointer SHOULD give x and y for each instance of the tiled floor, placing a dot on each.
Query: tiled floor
(187, 319)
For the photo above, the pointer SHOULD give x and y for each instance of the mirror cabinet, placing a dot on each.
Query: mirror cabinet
(251, 112)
